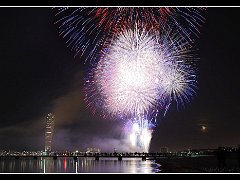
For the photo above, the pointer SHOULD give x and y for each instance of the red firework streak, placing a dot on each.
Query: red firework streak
(119, 18)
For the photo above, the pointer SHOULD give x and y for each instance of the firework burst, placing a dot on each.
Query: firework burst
(140, 72)
(88, 29)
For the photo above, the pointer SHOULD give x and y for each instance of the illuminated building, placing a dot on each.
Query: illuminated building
(49, 132)
(93, 150)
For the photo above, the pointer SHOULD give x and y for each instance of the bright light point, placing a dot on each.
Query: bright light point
(133, 139)
(135, 127)
(204, 128)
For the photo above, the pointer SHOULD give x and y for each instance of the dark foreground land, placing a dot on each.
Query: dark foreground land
(202, 164)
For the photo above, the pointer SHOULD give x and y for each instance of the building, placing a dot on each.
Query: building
(49, 132)
(93, 150)
(163, 150)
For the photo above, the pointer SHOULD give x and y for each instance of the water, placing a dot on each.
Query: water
(82, 165)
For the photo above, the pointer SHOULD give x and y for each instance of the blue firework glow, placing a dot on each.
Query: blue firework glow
(88, 29)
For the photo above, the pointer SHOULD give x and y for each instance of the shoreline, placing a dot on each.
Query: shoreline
(206, 164)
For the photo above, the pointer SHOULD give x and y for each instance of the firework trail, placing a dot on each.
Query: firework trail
(88, 29)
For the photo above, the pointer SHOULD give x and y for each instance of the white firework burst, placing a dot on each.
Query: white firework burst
(129, 73)
(139, 72)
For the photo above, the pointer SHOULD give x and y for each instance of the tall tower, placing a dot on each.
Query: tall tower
(49, 132)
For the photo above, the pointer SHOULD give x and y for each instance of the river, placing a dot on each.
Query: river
(81, 165)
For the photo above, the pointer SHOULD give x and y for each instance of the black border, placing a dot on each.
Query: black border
(120, 3)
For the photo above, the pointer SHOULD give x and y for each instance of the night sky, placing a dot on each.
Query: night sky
(39, 74)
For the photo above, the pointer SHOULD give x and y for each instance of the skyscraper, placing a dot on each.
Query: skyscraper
(49, 132)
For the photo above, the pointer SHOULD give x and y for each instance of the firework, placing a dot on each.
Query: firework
(140, 137)
(179, 84)
(87, 30)
(140, 72)
(138, 130)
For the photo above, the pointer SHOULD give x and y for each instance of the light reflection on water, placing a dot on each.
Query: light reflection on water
(81, 165)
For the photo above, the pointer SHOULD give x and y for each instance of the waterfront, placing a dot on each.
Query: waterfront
(82, 165)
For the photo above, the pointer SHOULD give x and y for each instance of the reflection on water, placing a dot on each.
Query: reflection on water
(81, 165)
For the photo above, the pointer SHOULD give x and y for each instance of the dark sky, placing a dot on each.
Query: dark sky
(39, 74)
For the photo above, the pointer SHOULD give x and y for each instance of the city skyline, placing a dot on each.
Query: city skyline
(39, 74)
